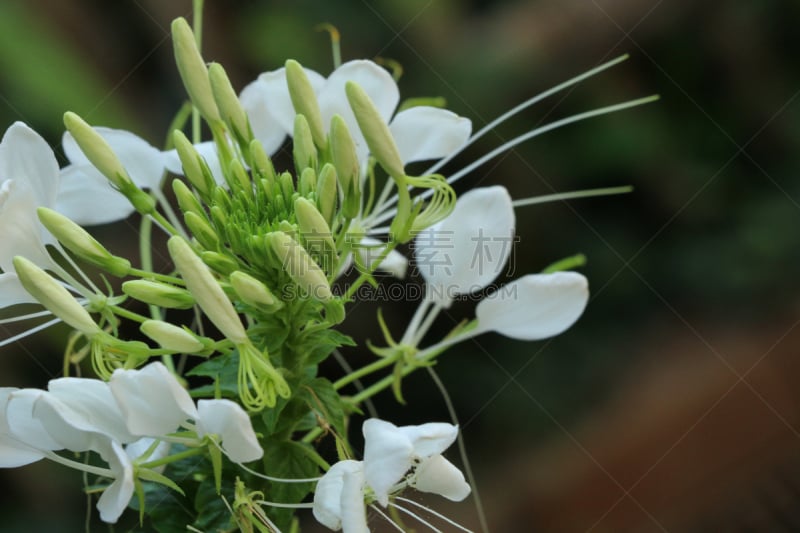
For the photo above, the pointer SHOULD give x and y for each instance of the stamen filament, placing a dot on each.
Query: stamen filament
(31, 331)
(417, 517)
(377, 510)
(588, 193)
(438, 515)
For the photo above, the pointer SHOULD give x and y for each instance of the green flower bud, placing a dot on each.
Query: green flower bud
(228, 104)
(295, 260)
(206, 290)
(219, 262)
(316, 233)
(193, 70)
(287, 188)
(171, 337)
(327, 192)
(238, 178)
(376, 132)
(348, 170)
(158, 294)
(54, 297)
(78, 241)
(305, 153)
(194, 166)
(253, 292)
(187, 201)
(100, 154)
(307, 182)
(262, 164)
(202, 230)
(304, 100)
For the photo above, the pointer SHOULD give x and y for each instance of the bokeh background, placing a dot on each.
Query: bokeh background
(672, 405)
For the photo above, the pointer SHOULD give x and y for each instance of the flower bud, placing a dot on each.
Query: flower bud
(202, 230)
(219, 262)
(238, 178)
(376, 132)
(228, 104)
(295, 260)
(316, 232)
(287, 189)
(78, 241)
(307, 182)
(253, 292)
(304, 100)
(348, 169)
(100, 154)
(54, 297)
(194, 166)
(262, 164)
(187, 201)
(305, 153)
(193, 70)
(206, 290)
(327, 192)
(158, 294)
(171, 337)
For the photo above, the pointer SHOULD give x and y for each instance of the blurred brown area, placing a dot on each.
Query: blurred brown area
(672, 404)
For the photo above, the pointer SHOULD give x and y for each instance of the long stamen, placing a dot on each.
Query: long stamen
(377, 510)
(524, 105)
(278, 479)
(527, 136)
(416, 517)
(31, 331)
(280, 505)
(434, 513)
(20, 318)
(607, 191)
(510, 113)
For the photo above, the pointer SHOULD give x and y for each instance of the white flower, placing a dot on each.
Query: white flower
(87, 197)
(231, 423)
(390, 452)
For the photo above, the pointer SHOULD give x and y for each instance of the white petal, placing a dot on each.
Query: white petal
(116, 497)
(354, 515)
(328, 494)
(439, 476)
(430, 439)
(14, 452)
(21, 233)
(12, 292)
(376, 82)
(395, 263)
(388, 454)
(466, 251)
(27, 158)
(534, 307)
(69, 428)
(88, 198)
(152, 401)
(424, 132)
(228, 420)
(91, 400)
(22, 425)
(143, 162)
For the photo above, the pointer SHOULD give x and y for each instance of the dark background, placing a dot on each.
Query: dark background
(672, 404)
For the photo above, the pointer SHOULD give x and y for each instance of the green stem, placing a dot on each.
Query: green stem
(149, 274)
(364, 371)
(365, 276)
(125, 313)
(173, 458)
(197, 25)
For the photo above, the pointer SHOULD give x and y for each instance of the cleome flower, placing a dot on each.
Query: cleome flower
(394, 458)
(140, 408)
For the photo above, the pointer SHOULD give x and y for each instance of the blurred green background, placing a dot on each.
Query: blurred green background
(624, 423)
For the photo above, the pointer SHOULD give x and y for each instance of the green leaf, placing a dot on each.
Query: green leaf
(323, 399)
(212, 513)
(224, 369)
(288, 460)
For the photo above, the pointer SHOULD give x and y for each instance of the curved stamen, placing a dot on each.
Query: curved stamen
(31, 331)
(434, 513)
(389, 213)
